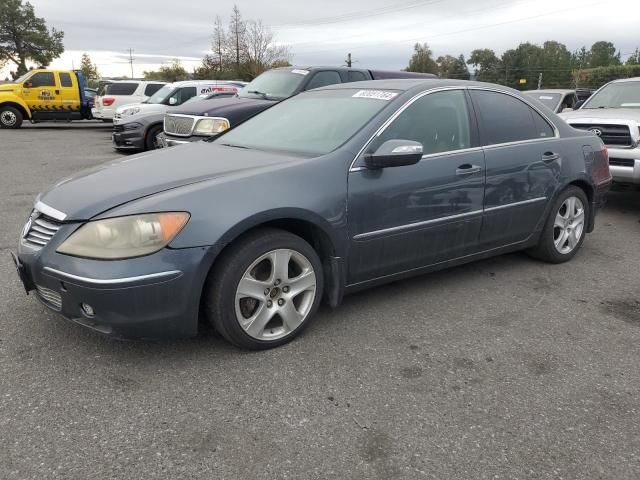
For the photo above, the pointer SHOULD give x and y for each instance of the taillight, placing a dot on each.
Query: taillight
(108, 101)
(605, 153)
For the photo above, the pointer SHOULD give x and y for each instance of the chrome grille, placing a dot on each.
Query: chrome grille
(611, 135)
(178, 125)
(39, 230)
(49, 297)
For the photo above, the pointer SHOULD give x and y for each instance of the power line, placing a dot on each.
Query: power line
(131, 60)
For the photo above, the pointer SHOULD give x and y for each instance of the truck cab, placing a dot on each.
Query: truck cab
(43, 95)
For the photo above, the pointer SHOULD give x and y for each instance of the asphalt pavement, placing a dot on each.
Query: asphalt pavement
(507, 368)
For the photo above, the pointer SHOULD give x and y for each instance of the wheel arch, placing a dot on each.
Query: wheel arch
(589, 191)
(23, 109)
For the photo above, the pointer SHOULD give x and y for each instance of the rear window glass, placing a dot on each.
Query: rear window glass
(120, 88)
(152, 88)
(65, 80)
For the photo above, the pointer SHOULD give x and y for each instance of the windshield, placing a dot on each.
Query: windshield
(161, 95)
(311, 123)
(22, 78)
(274, 85)
(616, 95)
(549, 100)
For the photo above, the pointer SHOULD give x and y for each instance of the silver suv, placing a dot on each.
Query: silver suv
(613, 114)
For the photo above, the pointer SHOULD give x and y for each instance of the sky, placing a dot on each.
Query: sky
(378, 33)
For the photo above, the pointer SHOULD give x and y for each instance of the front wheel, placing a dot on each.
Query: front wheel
(10, 117)
(151, 139)
(265, 290)
(565, 229)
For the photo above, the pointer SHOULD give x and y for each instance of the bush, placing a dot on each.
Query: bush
(596, 77)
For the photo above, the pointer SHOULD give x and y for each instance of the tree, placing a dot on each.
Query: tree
(89, 70)
(634, 59)
(168, 73)
(452, 67)
(488, 67)
(236, 37)
(261, 53)
(422, 60)
(25, 37)
(603, 54)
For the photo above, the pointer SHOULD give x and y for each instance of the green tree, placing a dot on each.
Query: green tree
(487, 66)
(603, 54)
(89, 70)
(25, 37)
(173, 72)
(581, 58)
(422, 60)
(452, 67)
(634, 59)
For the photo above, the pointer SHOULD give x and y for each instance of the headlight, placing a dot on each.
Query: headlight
(130, 111)
(124, 237)
(211, 126)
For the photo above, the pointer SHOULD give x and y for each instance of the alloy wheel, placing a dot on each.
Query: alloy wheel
(8, 118)
(275, 294)
(568, 226)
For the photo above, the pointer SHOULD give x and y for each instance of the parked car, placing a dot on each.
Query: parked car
(613, 114)
(332, 191)
(91, 94)
(122, 92)
(204, 120)
(44, 95)
(583, 93)
(557, 100)
(136, 126)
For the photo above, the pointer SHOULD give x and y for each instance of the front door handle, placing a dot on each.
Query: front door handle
(57, 92)
(550, 157)
(468, 169)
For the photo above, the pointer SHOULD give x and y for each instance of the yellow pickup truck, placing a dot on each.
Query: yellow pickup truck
(44, 95)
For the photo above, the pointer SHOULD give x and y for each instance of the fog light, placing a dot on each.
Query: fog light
(87, 309)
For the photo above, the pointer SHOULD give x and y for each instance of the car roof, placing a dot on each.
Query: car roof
(550, 90)
(318, 67)
(632, 79)
(182, 83)
(417, 84)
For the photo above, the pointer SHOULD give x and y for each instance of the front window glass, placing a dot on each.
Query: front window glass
(43, 79)
(274, 84)
(312, 123)
(616, 95)
(161, 95)
(439, 121)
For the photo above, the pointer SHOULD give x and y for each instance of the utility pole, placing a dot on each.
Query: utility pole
(348, 60)
(131, 60)
(540, 81)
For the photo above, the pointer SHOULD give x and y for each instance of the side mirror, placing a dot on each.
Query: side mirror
(173, 101)
(578, 105)
(28, 84)
(394, 153)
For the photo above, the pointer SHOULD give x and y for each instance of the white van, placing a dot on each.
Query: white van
(122, 92)
(174, 94)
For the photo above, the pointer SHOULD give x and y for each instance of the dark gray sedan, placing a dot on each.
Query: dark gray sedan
(332, 191)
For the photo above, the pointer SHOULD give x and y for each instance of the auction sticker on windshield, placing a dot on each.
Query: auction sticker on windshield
(300, 72)
(376, 94)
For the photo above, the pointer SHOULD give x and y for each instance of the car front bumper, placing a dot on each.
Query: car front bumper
(156, 296)
(173, 141)
(128, 139)
(624, 164)
(103, 113)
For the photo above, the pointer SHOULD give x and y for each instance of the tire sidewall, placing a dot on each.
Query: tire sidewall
(149, 139)
(221, 303)
(16, 112)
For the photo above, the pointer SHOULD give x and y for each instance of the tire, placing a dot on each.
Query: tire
(564, 231)
(150, 137)
(10, 117)
(279, 313)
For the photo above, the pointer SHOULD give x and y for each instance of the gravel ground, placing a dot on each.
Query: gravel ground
(506, 368)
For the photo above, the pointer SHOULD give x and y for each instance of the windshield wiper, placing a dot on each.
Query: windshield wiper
(234, 146)
(256, 92)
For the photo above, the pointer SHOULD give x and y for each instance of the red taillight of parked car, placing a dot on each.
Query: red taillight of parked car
(605, 153)
(107, 102)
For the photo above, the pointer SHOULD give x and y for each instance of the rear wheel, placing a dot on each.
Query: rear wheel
(151, 139)
(265, 290)
(565, 229)
(10, 117)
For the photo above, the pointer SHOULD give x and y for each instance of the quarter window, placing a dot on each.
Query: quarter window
(504, 119)
(65, 80)
(439, 121)
(322, 79)
(152, 88)
(43, 79)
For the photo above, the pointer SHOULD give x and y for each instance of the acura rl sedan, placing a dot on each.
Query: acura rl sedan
(335, 190)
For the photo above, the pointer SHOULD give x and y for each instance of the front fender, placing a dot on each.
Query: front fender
(12, 98)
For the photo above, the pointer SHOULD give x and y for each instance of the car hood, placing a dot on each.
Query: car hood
(592, 115)
(9, 87)
(102, 188)
(220, 106)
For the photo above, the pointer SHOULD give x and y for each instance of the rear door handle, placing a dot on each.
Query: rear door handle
(549, 157)
(468, 169)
